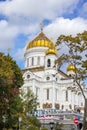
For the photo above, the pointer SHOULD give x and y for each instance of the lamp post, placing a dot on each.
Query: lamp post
(51, 125)
(19, 121)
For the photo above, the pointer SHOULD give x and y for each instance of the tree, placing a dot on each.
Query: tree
(29, 122)
(30, 101)
(77, 53)
(58, 126)
(13, 102)
(29, 104)
(44, 129)
(10, 82)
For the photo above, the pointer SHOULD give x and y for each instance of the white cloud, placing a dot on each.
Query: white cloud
(7, 34)
(37, 8)
(58, 27)
(66, 27)
(24, 16)
(19, 55)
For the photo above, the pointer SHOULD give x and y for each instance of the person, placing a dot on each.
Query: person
(79, 126)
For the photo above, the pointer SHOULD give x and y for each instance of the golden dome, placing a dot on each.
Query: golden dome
(71, 67)
(51, 51)
(40, 41)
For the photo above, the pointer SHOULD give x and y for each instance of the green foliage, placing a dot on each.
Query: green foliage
(44, 129)
(58, 126)
(62, 59)
(29, 123)
(13, 102)
(34, 121)
(77, 52)
(10, 73)
(29, 100)
(10, 81)
(29, 103)
(85, 64)
(17, 73)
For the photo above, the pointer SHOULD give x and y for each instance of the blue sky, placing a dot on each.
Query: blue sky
(20, 22)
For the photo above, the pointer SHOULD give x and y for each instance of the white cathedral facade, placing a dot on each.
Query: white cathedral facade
(54, 89)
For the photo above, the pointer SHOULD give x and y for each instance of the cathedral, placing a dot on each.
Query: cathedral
(54, 88)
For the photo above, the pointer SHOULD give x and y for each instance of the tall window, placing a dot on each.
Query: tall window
(27, 62)
(32, 62)
(66, 95)
(47, 94)
(38, 60)
(48, 63)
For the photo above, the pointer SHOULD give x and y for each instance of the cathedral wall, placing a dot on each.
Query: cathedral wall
(34, 57)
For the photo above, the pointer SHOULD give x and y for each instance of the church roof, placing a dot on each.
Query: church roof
(71, 67)
(65, 76)
(42, 41)
(51, 51)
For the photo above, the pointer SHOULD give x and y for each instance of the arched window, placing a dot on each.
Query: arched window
(48, 63)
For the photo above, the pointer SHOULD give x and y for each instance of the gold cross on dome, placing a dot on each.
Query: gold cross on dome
(42, 25)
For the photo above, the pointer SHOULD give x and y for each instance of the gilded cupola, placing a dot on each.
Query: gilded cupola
(71, 67)
(51, 51)
(40, 41)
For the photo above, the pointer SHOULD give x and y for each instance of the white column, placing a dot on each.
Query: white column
(33, 87)
(41, 97)
(53, 95)
(72, 100)
(60, 93)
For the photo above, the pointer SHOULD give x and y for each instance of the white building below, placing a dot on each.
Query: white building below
(53, 88)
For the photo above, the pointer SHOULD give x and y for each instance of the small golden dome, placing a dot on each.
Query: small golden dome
(71, 67)
(40, 41)
(51, 51)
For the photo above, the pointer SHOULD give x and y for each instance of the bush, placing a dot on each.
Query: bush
(58, 126)
(44, 129)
